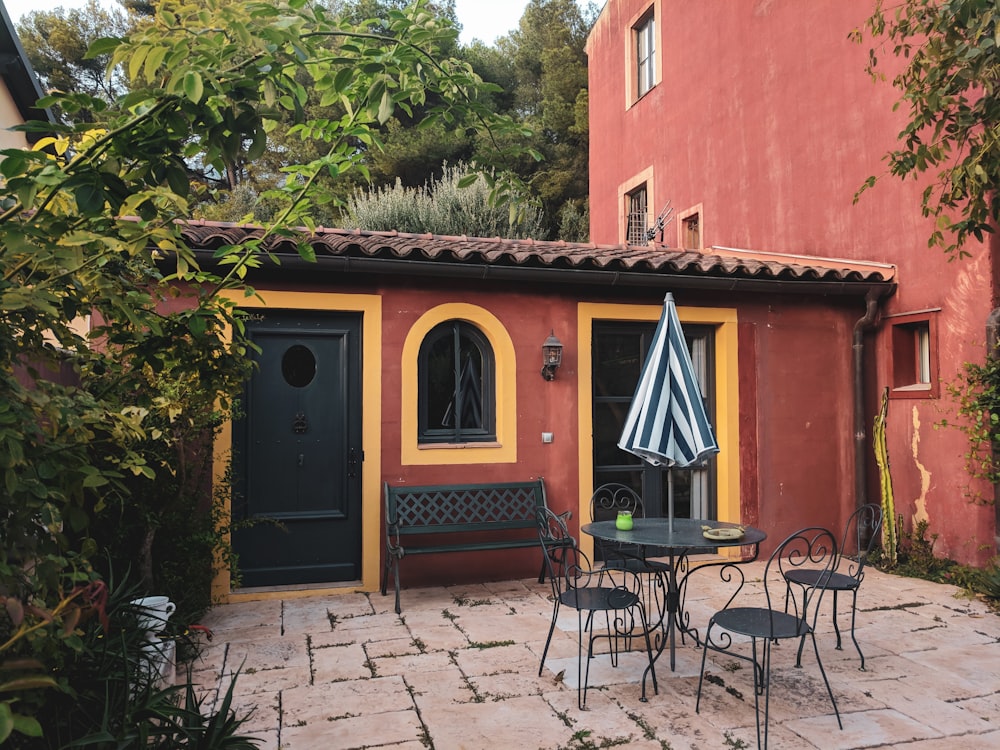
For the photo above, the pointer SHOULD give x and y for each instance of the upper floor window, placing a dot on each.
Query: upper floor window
(645, 39)
(456, 385)
(637, 207)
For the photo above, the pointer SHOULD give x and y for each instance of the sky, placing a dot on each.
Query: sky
(485, 20)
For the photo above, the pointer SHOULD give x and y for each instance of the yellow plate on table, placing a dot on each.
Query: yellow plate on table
(722, 535)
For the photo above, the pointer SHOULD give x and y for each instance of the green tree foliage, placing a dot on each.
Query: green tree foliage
(549, 95)
(440, 207)
(93, 416)
(56, 42)
(540, 78)
(948, 85)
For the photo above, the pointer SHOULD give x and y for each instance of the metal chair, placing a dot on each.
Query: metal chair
(860, 536)
(606, 503)
(765, 625)
(575, 586)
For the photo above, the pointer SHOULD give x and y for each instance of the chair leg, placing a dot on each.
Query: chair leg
(548, 640)
(582, 673)
(829, 690)
(651, 669)
(836, 628)
(802, 640)
(704, 656)
(854, 610)
(761, 685)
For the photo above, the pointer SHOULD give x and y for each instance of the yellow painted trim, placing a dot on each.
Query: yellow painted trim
(726, 393)
(505, 448)
(370, 307)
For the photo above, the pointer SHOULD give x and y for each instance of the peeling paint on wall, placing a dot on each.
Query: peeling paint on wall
(920, 503)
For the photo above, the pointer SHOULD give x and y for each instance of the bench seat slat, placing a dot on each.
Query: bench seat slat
(509, 544)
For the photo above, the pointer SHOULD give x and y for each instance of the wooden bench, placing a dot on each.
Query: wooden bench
(414, 514)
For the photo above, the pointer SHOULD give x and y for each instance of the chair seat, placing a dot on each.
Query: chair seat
(760, 622)
(810, 577)
(598, 598)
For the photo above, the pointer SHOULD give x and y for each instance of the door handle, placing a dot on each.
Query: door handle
(302, 460)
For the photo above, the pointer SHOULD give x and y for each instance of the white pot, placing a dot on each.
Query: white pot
(153, 612)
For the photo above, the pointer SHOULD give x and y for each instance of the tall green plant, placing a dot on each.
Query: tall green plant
(890, 539)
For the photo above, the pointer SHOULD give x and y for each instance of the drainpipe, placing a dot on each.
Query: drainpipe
(992, 342)
(866, 323)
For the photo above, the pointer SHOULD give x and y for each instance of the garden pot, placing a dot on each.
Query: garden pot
(153, 613)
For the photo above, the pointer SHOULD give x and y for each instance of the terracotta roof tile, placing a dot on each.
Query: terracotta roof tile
(655, 260)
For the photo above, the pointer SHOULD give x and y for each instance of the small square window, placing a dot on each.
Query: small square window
(914, 356)
(637, 208)
(691, 231)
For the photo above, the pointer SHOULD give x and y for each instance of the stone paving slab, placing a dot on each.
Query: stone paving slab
(459, 668)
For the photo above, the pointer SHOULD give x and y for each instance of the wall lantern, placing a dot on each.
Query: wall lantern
(551, 356)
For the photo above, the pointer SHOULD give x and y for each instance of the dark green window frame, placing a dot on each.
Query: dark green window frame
(456, 389)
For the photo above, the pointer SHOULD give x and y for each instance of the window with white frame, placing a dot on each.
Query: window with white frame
(645, 40)
(914, 356)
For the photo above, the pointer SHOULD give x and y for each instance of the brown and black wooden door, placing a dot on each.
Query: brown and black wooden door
(297, 489)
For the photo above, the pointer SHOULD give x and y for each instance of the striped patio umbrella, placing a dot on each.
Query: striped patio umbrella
(666, 423)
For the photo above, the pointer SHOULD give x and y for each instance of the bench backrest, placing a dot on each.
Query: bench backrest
(473, 507)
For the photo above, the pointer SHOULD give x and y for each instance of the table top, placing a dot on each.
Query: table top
(687, 533)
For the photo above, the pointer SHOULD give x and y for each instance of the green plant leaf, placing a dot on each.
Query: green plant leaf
(27, 725)
(6, 721)
(194, 87)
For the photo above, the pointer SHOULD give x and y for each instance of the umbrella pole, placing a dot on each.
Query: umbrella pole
(670, 498)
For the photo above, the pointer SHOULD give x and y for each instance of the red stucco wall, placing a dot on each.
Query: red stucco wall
(528, 315)
(795, 459)
(765, 116)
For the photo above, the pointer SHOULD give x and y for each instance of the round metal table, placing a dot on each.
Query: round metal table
(676, 539)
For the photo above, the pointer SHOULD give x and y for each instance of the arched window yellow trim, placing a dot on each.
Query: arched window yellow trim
(504, 450)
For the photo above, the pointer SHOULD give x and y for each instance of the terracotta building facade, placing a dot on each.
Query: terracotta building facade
(753, 125)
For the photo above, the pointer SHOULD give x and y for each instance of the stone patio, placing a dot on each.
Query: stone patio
(459, 670)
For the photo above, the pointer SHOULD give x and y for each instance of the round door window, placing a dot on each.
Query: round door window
(298, 366)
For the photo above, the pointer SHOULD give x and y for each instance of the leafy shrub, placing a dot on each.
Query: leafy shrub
(442, 206)
(104, 692)
(917, 560)
(977, 392)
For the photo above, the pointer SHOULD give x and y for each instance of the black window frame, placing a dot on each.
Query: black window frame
(484, 430)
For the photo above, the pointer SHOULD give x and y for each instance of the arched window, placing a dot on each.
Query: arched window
(456, 385)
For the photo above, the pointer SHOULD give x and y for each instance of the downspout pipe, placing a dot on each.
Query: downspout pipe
(866, 323)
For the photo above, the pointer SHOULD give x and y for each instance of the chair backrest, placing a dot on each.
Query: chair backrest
(609, 499)
(605, 504)
(812, 548)
(559, 548)
(861, 534)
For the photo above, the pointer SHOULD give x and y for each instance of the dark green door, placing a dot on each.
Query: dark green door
(619, 352)
(298, 451)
